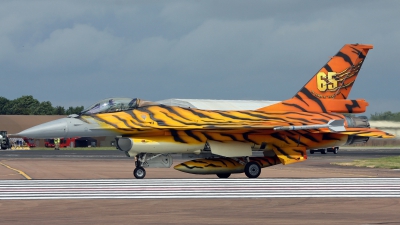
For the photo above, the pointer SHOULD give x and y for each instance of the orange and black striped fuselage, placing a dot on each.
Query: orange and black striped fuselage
(143, 127)
(193, 126)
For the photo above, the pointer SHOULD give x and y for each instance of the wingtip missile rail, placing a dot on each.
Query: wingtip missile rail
(333, 125)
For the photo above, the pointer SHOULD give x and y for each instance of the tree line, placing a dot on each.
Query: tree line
(388, 116)
(27, 105)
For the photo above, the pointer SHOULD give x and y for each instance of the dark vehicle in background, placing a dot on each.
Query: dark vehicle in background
(335, 150)
(4, 140)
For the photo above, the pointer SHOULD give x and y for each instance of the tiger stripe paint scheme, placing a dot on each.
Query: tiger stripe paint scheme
(332, 82)
(143, 127)
(237, 165)
(318, 102)
(223, 165)
(195, 125)
(336, 78)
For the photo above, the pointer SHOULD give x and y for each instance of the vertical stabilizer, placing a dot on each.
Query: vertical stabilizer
(336, 78)
(327, 91)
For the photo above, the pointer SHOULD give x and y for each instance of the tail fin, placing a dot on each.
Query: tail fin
(336, 78)
(332, 82)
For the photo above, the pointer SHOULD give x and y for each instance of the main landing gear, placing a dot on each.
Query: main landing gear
(252, 170)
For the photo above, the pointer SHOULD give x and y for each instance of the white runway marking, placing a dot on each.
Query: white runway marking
(200, 188)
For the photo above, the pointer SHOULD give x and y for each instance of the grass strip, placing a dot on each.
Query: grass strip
(390, 162)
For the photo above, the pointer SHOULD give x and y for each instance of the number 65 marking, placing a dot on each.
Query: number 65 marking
(325, 82)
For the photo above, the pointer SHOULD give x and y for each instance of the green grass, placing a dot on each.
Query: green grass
(391, 162)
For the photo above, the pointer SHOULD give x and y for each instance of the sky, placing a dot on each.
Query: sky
(75, 53)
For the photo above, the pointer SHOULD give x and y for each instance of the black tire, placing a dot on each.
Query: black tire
(335, 150)
(324, 151)
(311, 151)
(139, 172)
(252, 170)
(223, 175)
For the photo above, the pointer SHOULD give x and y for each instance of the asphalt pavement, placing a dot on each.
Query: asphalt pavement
(112, 166)
(115, 154)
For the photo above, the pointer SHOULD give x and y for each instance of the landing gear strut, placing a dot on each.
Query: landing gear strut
(139, 172)
(151, 160)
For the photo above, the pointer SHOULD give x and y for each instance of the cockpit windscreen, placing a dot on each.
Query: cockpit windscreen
(111, 105)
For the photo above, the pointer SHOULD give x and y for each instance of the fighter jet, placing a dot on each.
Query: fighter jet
(318, 116)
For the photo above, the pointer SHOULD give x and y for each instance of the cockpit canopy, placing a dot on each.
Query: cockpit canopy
(115, 105)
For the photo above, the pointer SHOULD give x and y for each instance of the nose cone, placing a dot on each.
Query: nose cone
(52, 129)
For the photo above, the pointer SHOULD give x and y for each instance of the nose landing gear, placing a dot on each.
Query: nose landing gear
(150, 160)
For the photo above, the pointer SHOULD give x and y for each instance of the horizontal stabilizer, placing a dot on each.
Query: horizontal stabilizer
(367, 132)
(290, 155)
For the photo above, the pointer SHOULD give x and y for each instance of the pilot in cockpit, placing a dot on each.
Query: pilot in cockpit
(111, 105)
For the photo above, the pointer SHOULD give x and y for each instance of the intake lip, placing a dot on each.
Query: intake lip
(124, 144)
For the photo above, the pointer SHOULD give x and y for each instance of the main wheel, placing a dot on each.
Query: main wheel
(139, 172)
(223, 175)
(252, 170)
(335, 150)
(324, 151)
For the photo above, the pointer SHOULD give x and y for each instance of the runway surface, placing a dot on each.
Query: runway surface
(200, 188)
(115, 154)
(71, 180)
